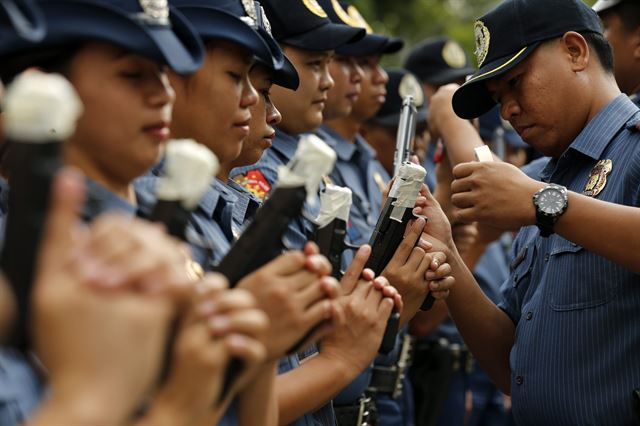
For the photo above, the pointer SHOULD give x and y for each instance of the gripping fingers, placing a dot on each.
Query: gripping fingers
(354, 271)
(250, 350)
(440, 288)
(443, 271)
(252, 322)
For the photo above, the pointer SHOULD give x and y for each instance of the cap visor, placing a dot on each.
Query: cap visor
(326, 37)
(287, 76)
(393, 120)
(177, 45)
(472, 99)
(372, 44)
(211, 23)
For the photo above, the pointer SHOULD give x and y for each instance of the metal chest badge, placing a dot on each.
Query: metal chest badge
(155, 11)
(598, 178)
(483, 39)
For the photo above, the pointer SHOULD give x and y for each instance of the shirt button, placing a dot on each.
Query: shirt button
(546, 257)
(519, 380)
(529, 315)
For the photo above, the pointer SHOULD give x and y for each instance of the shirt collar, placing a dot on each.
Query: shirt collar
(635, 98)
(101, 200)
(285, 144)
(210, 199)
(343, 148)
(599, 132)
(363, 146)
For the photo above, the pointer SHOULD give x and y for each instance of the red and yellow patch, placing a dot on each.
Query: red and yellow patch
(254, 182)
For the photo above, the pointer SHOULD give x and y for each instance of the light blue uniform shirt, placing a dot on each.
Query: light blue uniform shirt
(575, 359)
(283, 150)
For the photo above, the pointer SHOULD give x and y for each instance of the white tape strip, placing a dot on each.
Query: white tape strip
(188, 170)
(406, 189)
(335, 203)
(41, 107)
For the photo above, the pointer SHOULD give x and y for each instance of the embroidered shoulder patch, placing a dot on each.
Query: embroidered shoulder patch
(254, 182)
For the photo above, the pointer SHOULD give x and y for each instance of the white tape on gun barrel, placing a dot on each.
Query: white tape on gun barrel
(406, 189)
(335, 203)
(313, 159)
(41, 108)
(188, 170)
(483, 154)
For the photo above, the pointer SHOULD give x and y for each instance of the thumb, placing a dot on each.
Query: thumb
(67, 198)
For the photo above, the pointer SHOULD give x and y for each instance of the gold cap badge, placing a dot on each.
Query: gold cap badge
(359, 19)
(315, 8)
(483, 39)
(454, 55)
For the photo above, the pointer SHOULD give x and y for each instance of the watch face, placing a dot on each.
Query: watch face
(551, 201)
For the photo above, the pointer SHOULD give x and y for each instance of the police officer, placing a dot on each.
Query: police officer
(548, 66)
(621, 19)
(20, 386)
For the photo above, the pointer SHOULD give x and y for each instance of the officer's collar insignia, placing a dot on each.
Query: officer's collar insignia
(154, 12)
(598, 178)
(254, 182)
(314, 7)
(382, 185)
(454, 55)
(409, 86)
(359, 19)
(483, 39)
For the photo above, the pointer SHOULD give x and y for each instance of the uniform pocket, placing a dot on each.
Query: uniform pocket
(576, 279)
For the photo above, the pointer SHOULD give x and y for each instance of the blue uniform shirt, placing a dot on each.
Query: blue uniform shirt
(262, 176)
(575, 357)
(357, 168)
(20, 388)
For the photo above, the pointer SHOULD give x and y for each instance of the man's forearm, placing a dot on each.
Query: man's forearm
(485, 328)
(608, 229)
(460, 138)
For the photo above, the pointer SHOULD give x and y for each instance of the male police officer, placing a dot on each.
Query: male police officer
(561, 339)
(621, 19)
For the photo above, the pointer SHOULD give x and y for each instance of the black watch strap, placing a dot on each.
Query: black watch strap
(545, 224)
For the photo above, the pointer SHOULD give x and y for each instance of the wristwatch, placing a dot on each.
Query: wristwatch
(550, 203)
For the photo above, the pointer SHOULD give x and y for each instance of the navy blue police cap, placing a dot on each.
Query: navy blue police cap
(215, 20)
(147, 27)
(23, 18)
(251, 13)
(439, 61)
(371, 44)
(306, 25)
(603, 5)
(401, 83)
(508, 34)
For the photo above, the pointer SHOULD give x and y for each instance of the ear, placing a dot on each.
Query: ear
(577, 49)
(635, 43)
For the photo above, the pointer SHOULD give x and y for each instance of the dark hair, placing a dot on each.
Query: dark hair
(602, 48)
(629, 13)
(52, 59)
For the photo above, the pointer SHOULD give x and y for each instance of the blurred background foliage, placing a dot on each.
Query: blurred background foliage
(415, 20)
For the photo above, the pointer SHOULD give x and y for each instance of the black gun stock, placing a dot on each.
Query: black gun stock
(32, 168)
